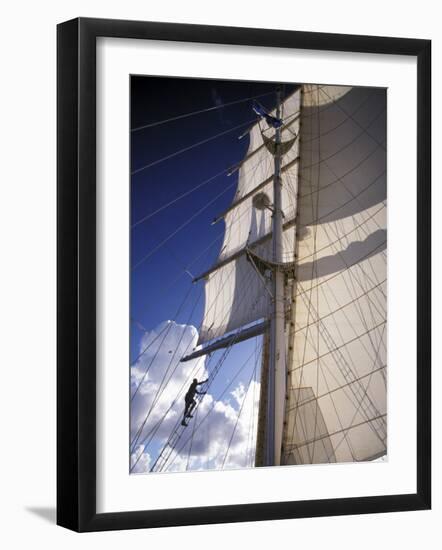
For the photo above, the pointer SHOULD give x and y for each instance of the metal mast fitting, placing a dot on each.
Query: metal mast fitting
(277, 367)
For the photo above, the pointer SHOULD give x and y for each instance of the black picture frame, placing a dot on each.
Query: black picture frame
(76, 274)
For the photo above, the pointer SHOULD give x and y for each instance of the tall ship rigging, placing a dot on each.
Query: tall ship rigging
(302, 267)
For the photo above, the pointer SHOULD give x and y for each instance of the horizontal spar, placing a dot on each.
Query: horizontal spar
(238, 254)
(240, 336)
(253, 191)
(253, 153)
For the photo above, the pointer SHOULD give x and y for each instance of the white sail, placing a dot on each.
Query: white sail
(336, 408)
(244, 223)
(235, 293)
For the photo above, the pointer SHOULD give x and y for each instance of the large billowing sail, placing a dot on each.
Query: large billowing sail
(334, 204)
(336, 408)
(236, 294)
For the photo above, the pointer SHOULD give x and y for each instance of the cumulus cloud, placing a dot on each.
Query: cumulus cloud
(217, 437)
(140, 460)
(227, 438)
(166, 379)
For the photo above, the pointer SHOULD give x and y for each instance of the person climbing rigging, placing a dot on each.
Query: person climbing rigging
(189, 399)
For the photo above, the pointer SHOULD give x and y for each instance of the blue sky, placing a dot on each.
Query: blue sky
(158, 280)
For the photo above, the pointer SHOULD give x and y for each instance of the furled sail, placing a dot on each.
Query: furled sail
(336, 408)
(236, 293)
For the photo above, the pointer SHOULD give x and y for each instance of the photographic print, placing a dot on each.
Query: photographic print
(258, 274)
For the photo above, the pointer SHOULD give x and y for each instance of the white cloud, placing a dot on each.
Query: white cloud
(166, 377)
(205, 447)
(140, 460)
(213, 446)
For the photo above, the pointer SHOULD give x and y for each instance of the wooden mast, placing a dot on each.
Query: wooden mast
(273, 377)
(262, 410)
